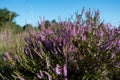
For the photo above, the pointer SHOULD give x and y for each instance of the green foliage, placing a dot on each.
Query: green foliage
(7, 16)
(7, 21)
(13, 27)
(27, 27)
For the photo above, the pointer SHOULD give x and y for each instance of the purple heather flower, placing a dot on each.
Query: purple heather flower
(118, 31)
(40, 75)
(84, 37)
(118, 45)
(65, 70)
(26, 50)
(71, 48)
(5, 56)
(101, 32)
(108, 45)
(99, 43)
(119, 41)
(55, 51)
(69, 23)
(60, 39)
(49, 77)
(65, 79)
(32, 34)
(42, 23)
(58, 69)
(106, 27)
(74, 31)
(113, 55)
(21, 78)
(49, 31)
(42, 36)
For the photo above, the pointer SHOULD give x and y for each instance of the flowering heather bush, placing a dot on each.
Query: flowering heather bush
(79, 50)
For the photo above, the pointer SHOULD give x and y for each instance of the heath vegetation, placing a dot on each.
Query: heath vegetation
(79, 49)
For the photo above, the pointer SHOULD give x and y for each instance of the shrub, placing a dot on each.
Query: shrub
(79, 50)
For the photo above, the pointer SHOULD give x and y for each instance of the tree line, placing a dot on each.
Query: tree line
(7, 19)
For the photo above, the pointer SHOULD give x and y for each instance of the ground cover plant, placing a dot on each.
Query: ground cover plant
(83, 49)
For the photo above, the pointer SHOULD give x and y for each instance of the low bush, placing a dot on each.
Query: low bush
(86, 49)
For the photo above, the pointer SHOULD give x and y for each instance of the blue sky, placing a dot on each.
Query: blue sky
(30, 11)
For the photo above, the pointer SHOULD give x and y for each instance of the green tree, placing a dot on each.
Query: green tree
(7, 16)
(47, 23)
(27, 27)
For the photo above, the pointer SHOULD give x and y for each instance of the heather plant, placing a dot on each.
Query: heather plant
(8, 37)
(4, 40)
(11, 45)
(86, 49)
